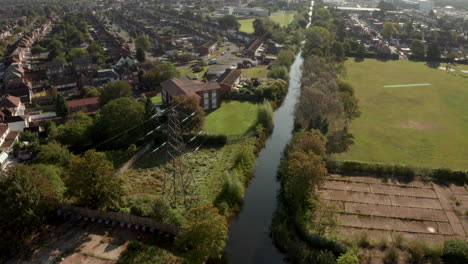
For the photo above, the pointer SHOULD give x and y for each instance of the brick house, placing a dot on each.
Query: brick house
(209, 94)
(229, 80)
(83, 105)
(207, 48)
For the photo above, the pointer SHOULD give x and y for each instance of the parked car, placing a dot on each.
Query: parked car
(195, 77)
(193, 65)
(212, 61)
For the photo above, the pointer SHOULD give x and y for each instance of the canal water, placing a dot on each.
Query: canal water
(249, 232)
(249, 240)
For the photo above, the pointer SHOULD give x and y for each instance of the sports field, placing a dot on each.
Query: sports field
(283, 19)
(411, 114)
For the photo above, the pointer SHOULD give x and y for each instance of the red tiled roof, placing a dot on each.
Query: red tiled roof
(10, 101)
(3, 129)
(83, 102)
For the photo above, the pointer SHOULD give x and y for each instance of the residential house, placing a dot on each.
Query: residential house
(13, 104)
(54, 69)
(229, 80)
(208, 94)
(255, 49)
(207, 48)
(17, 123)
(125, 61)
(82, 65)
(129, 76)
(84, 105)
(104, 76)
(21, 89)
(7, 137)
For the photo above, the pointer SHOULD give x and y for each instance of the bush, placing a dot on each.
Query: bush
(232, 191)
(417, 251)
(207, 139)
(362, 239)
(399, 241)
(142, 206)
(244, 159)
(136, 252)
(391, 255)
(455, 251)
(265, 115)
(404, 173)
(382, 243)
(349, 257)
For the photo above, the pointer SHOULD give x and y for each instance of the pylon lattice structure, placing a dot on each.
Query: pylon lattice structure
(179, 185)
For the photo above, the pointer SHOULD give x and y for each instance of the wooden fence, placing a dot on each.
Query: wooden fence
(137, 222)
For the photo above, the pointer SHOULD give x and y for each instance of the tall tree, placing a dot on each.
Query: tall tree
(361, 51)
(114, 90)
(204, 234)
(140, 55)
(54, 153)
(61, 106)
(418, 49)
(116, 117)
(90, 179)
(389, 30)
(76, 133)
(433, 51)
(142, 42)
(229, 22)
(187, 106)
(25, 197)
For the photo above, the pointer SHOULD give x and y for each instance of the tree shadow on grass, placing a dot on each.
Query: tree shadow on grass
(358, 59)
(433, 64)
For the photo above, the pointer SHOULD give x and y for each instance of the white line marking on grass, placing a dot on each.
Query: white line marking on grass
(407, 85)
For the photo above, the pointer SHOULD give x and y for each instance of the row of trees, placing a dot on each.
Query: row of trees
(30, 192)
(418, 50)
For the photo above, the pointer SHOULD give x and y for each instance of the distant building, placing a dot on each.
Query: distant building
(426, 6)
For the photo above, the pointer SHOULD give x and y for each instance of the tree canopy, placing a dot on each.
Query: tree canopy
(187, 106)
(204, 234)
(229, 22)
(90, 179)
(418, 49)
(142, 42)
(118, 116)
(114, 90)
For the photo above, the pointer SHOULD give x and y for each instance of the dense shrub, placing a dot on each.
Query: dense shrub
(207, 139)
(232, 192)
(244, 159)
(265, 115)
(455, 251)
(391, 256)
(404, 173)
(349, 257)
(137, 253)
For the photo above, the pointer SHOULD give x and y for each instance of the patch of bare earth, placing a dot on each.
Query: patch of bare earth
(417, 210)
(420, 125)
(68, 242)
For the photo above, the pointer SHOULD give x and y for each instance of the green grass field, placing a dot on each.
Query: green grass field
(282, 19)
(233, 118)
(156, 99)
(423, 126)
(255, 72)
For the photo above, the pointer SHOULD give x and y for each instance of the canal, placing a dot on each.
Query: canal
(249, 232)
